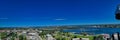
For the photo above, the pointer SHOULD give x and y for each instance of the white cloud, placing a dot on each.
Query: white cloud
(60, 19)
(3, 18)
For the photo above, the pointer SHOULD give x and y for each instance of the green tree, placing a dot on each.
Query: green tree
(22, 37)
(3, 35)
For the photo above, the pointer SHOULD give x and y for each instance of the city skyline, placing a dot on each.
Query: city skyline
(57, 12)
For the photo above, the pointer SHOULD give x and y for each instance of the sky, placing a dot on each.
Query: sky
(57, 12)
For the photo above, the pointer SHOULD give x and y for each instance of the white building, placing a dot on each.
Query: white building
(32, 36)
(85, 38)
(49, 37)
(76, 39)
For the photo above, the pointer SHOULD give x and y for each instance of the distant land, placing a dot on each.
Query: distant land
(72, 26)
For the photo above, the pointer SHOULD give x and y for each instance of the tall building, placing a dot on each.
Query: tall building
(118, 12)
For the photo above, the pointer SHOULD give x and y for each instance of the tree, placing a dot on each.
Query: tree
(22, 37)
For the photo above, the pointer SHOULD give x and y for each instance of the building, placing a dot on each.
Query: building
(80, 39)
(76, 39)
(117, 15)
(32, 35)
(49, 37)
(85, 38)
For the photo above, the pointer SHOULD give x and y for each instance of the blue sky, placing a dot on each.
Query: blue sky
(57, 12)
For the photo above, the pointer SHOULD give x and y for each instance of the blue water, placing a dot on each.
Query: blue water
(94, 30)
